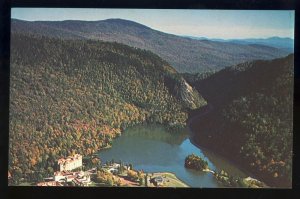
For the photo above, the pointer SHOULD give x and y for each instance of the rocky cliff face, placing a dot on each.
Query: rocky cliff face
(189, 95)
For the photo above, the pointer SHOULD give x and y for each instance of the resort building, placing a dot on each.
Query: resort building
(83, 180)
(59, 176)
(157, 181)
(80, 178)
(70, 163)
(51, 183)
(65, 175)
(113, 170)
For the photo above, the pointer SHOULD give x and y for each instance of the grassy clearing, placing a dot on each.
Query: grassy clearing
(170, 180)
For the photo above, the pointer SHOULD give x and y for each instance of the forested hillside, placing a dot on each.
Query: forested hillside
(252, 119)
(184, 54)
(74, 96)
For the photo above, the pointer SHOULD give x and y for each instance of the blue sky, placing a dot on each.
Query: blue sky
(225, 24)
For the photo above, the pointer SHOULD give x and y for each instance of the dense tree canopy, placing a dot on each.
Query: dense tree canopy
(252, 119)
(75, 96)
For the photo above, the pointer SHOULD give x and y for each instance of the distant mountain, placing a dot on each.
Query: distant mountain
(277, 42)
(286, 44)
(184, 54)
(252, 117)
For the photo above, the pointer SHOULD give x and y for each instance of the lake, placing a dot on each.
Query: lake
(154, 149)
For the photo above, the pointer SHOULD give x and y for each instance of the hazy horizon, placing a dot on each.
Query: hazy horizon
(212, 24)
(168, 32)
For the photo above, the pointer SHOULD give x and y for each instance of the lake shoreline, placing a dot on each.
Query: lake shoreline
(137, 145)
(196, 115)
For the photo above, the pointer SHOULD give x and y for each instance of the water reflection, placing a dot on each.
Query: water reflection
(154, 149)
(157, 132)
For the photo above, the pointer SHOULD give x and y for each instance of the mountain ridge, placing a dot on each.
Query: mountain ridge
(186, 55)
(284, 43)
